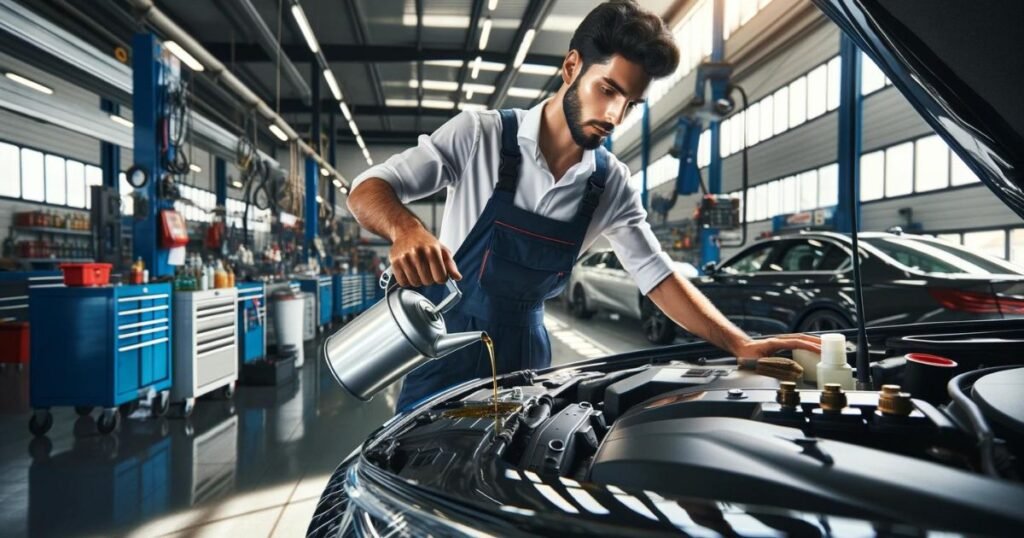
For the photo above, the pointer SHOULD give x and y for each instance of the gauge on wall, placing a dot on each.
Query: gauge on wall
(137, 176)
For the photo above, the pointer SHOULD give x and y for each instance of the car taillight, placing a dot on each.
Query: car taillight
(976, 302)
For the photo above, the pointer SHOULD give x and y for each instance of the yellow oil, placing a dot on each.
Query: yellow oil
(496, 408)
(494, 375)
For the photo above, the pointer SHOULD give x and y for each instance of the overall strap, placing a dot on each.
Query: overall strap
(511, 158)
(595, 185)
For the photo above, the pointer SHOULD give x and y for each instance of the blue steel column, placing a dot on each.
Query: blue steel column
(850, 128)
(332, 154)
(645, 150)
(220, 181)
(312, 173)
(709, 249)
(110, 154)
(146, 97)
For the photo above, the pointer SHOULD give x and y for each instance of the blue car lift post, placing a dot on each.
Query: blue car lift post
(110, 346)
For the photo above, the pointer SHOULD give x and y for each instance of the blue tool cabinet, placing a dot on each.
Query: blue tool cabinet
(370, 287)
(321, 288)
(351, 294)
(14, 290)
(252, 322)
(336, 296)
(99, 346)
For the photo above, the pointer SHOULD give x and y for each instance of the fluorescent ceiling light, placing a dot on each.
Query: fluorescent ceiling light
(352, 127)
(439, 85)
(535, 69)
(324, 172)
(307, 31)
(332, 83)
(236, 184)
(524, 47)
(278, 133)
(484, 66)
(29, 82)
(195, 168)
(400, 102)
(344, 190)
(469, 94)
(476, 68)
(485, 34)
(436, 21)
(472, 106)
(319, 199)
(485, 89)
(362, 144)
(122, 121)
(527, 93)
(346, 112)
(337, 182)
(492, 5)
(427, 103)
(183, 55)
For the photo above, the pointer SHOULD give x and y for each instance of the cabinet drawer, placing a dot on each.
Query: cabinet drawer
(215, 321)
(204, 337)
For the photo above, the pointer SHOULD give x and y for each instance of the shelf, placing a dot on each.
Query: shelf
(55, 260)
(43, 229)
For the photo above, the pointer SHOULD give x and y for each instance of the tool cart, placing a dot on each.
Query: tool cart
(252, 322)
(351, 294)
(321, 288)
(14, 332)
(370, 287)
(106, 346)
(205, 345)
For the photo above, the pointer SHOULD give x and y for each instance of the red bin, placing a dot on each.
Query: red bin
(86, 274)
(14, 342)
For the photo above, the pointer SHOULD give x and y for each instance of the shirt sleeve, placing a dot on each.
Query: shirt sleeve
(436, 162)
(633, 241)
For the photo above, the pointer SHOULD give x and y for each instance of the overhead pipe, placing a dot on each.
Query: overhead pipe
(147, 10)
(265, 38)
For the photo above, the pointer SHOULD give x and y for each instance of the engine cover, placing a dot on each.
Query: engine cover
(746, 461)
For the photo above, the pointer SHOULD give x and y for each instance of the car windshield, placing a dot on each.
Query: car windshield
(936, 256)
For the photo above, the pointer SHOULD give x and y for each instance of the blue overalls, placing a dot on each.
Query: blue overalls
(511, 262)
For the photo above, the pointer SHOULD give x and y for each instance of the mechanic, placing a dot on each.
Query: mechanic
(527, 192)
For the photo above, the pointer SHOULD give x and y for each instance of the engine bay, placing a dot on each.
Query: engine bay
(699, 427)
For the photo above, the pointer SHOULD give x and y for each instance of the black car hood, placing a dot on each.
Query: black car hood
(958, 63)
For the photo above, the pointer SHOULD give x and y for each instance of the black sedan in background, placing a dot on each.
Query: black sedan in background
(804, 282)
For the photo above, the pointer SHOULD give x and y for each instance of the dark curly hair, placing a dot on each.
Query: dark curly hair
(622, 27)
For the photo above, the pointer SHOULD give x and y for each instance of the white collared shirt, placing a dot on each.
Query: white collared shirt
(462, 156)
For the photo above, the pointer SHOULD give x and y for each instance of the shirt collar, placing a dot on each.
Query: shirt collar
(529, 134)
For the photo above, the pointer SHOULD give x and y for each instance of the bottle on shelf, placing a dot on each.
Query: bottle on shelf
(220, 276)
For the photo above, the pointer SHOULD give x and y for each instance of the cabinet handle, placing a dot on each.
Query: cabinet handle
(142, 332)
(142, 298)
(142, 310)
(143, 344)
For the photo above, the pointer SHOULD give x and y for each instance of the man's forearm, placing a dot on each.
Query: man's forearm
(686, 305)
(377, 208)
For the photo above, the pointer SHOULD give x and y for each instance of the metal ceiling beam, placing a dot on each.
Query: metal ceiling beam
(360, 32)
(406, 138)
(534, 17)
(295, 106)
(252, 53)
(247, 19)
(469, 44)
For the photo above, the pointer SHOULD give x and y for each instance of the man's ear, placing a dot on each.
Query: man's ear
(571, 66)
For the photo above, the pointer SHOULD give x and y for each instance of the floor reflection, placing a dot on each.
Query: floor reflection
(249, 459)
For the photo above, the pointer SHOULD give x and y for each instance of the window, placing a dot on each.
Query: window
(93, 176)
(817, 91)
(871, 77)
(834, 84)
(939, 257)
(781, 110)
(704, 149)
(808, 190)
(125, 188)
(33, 185)
(753, 120)
(790, 203)
(10, 171)
(737, 132)
(797, 102)
(835, 259)
(991, 242)
(801, 256)
(748, 262)
(872, 176)
(828, 185)
(56, 181)
(767, 126)
(593, 259)
(931, 164)
(959, 173)
(76, 183)
(1017, 246)
(899, 169)
(773, 198)
(725, 138)
(950, 238)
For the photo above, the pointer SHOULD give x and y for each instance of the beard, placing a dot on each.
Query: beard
(573, 110)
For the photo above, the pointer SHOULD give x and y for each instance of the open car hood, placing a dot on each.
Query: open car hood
(956, 62)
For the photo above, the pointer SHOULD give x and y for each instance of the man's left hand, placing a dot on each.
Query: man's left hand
(766, 347)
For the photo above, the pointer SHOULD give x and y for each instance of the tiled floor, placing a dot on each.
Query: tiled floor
(250, 467)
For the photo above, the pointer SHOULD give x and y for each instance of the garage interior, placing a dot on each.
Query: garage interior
(173, 186)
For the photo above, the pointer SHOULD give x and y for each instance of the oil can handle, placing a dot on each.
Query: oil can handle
(453, 297)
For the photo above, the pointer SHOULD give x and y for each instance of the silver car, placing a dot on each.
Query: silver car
(599, 282)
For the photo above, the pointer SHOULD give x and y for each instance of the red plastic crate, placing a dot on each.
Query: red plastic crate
(86, 274)
(14, 338)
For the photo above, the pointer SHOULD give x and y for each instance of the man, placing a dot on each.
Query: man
(528, 192)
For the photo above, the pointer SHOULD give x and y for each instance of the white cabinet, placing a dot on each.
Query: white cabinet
(205, 344)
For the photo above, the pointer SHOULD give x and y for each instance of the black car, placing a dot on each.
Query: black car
(678, 439)
(804, 282)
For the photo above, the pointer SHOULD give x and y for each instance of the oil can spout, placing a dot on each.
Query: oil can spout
(449, 343)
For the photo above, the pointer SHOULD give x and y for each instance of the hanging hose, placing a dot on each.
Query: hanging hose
(982, 431)
(175, 128)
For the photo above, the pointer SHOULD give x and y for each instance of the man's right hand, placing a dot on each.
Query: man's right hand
(419, 259)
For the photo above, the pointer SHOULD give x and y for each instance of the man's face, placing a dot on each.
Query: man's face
(599, 98)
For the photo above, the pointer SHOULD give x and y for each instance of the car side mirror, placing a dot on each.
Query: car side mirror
(710, 268)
